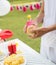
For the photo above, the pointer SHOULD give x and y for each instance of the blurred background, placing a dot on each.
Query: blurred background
(16, 20)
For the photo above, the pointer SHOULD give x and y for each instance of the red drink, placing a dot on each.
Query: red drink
(14, 48)
(10, 48)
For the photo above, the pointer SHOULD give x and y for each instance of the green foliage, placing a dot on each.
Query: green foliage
(21, 1)
(16, 20)
(24, 0)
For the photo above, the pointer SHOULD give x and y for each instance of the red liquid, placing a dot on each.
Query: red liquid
(10, 48)
(14, 48)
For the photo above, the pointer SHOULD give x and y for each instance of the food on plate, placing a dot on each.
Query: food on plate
(14, 59)
(21, 59)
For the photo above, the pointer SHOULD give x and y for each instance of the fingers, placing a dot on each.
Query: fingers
(33, 36)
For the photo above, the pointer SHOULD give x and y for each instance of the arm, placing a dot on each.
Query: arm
(51, 28)
(40, 16)
(41, 31)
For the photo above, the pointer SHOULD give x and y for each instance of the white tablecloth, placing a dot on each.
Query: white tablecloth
(32, 57)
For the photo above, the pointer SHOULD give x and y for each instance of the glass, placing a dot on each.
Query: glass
(12, 48)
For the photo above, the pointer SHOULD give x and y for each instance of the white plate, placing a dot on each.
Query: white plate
(2, 57)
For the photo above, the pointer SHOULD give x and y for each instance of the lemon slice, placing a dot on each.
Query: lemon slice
(17, 44)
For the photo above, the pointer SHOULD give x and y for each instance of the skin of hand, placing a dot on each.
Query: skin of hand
(32, 26)
(29, 29)
(41, 31)
(38, 32)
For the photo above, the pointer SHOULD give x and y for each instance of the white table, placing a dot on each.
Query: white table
(32, 57)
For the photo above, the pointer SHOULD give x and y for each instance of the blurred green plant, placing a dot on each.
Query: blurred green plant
(23, 0)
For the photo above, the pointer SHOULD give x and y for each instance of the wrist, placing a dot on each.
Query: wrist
(51, 28)
(54, 26)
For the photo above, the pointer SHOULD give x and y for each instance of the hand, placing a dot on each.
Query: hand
(26, 26)
(39, 32)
